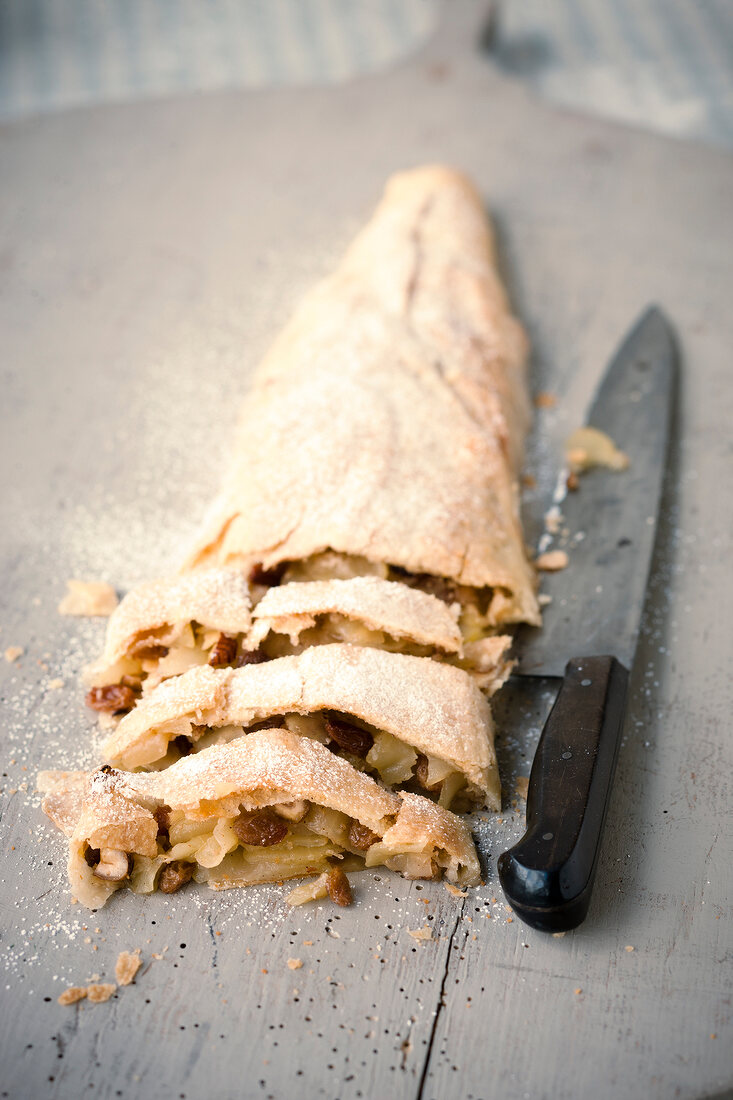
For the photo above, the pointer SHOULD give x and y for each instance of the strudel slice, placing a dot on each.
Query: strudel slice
(406, 719)
(265, 808)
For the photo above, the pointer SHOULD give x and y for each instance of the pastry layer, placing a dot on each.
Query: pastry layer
(387, 421)
(431, 709)
(207, 817)
(163, 627)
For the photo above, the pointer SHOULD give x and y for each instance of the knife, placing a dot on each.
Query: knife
(548, 875)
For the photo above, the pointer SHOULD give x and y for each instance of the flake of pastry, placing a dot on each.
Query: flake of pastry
(97, 993)
(72, 995)
(552, 561)
(127, 965)
(13, 652)
(589, 447)
(88, 598)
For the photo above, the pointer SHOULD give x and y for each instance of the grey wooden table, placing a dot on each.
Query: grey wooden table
(148, 254)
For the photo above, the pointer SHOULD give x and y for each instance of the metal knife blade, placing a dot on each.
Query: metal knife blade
(598, 600)
(597, 605)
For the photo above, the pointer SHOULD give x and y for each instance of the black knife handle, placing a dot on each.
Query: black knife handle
(548, 876)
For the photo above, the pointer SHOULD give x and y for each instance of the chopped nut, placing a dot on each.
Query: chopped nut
(112, 698)
(97, 993)
(361, 837)
(348, 737)
(127, 965)
(260, 828)
(73, 994)
(223, 651)
(339, 888)
(113, 866)
(13, 652)
(295, 964)
(552, 561)
(88, 598)
(175, 875)
(425, 933)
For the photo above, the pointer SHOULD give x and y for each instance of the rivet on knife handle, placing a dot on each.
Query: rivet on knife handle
(548, 876)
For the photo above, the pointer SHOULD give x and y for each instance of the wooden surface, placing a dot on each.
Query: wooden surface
(148, 254)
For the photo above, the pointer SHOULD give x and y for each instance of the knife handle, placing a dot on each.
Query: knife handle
(548, 876)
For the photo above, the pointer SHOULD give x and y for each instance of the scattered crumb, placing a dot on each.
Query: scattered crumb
(558, 935)
(522, 786)
(295, 964)
(13, 652)
(529, 482)
(553, 519)
(544, 600)
(97, 993)
(572, 482)
(628, 947)
(510, 920)
(713, 1035)
(73, 994)
(88, 598)
(451, 890)
(577, 991)
(127, 965)
(552, 561)
(545, 400)
(54, 685)
(424, 934)
(589, 447)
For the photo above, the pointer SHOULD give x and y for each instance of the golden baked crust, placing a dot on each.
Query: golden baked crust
(433, 707)
(388, 418)
(403, 613)
(155, 613)
(269, 767)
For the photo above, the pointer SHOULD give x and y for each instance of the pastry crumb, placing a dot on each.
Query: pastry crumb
(522, 786)
(13, 652)
(73, 994)
(552, 561)
(452, 890)
(629, 947)
(545, 400)
(295, 964)
(88, 598)
(577, 991)
(423, 934)
(127, 965)
(55, 684)
(589, 447)
(558, 935)
(99, 992)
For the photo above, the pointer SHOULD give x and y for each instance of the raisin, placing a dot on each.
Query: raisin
(269, 577)
(439, 587)
(174, 876)
(223, 651)
(151, 652)
(360, 837)
(92, 856)
(349, 738)
(182, 743)
(338, 888)
(112, 698)
(162, 815)
(421, 774)
(251, 657)
(260, 828)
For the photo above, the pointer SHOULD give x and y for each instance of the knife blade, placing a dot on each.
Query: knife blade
(596, 608)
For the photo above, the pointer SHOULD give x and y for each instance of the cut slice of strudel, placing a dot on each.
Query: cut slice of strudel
(265, 808)
(407, 719)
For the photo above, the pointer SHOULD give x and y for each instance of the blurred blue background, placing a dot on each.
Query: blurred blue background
(666, 65)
